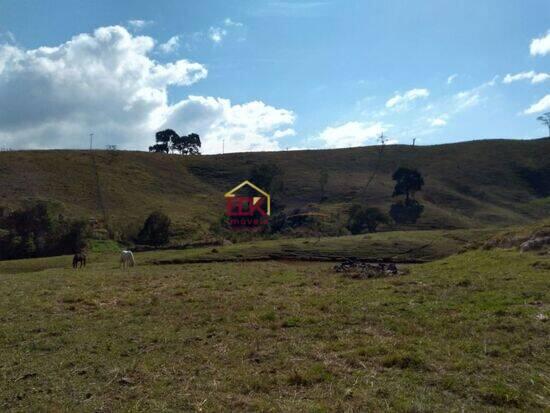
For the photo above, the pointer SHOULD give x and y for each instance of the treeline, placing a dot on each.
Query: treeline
(39, 231)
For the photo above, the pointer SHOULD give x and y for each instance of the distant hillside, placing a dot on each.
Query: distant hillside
(468, 184)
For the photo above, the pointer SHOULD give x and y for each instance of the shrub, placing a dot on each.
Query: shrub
(365, 218)
(406, 212)
(156, 230)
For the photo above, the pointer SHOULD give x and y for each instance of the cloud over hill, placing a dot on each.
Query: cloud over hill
(107, 82)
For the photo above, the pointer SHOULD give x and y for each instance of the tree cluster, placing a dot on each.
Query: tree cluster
(169, 141)
(38, 231)
(405, 211)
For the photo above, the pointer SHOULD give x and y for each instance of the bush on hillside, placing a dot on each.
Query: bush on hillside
(365, 219)
(156, 230)
(404, 212)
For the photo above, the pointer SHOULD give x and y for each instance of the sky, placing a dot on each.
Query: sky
(263, 75)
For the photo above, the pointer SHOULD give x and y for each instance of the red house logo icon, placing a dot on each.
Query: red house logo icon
(247, 210)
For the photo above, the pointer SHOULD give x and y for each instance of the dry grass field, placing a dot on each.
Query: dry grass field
(464, 333)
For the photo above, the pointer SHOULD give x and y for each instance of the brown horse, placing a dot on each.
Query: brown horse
(79, 258)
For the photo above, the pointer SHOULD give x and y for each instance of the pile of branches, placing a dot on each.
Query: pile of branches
(363, 270)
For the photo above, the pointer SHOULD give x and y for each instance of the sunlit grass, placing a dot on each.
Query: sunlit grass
(460, 334)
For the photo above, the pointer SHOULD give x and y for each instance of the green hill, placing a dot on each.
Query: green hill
(469, 184)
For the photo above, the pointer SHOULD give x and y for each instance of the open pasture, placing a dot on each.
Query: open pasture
(465, 333)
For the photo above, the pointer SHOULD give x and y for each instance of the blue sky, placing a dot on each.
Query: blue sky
(271, 75)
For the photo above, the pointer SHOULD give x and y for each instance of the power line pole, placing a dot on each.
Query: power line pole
(223, 146)
(91, 140)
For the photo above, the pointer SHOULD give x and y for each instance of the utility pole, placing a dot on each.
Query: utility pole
(91, 140)
(223, 146)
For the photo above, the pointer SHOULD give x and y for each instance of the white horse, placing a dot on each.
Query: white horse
(127, 259)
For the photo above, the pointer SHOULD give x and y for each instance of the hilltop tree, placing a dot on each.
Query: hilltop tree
(177, 143)
(159, 148)
(166, 136)
(168, 140)
(191, 144)
(545, 120)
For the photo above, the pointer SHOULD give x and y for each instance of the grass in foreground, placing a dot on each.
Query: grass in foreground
(461, 334)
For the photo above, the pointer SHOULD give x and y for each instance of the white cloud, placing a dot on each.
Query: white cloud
(540, 77)
(531, 75)
(467, 99)
(171, 45)
(139, 24)
(438, 121)
(231, 23)
(399, 101)
(284, 133)
(7, 37)
(540, 46)
(471, 97)
(351, 134)
(106, 83)
(451, 78)
(491, 82)
(216, 34)
(540, 106)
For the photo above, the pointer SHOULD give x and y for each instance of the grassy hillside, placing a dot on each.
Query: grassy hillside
(467, 333)
(468, 184)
